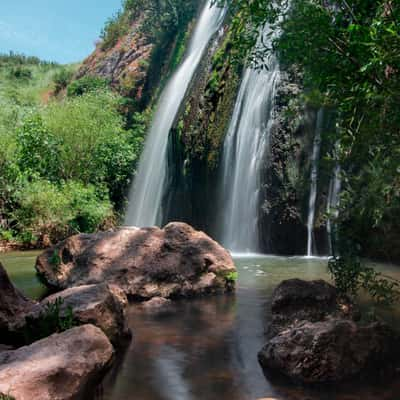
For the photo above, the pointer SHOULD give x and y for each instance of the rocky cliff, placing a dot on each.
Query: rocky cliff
(140, 48)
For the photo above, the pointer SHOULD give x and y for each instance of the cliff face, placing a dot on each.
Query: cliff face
(146, 49)
(285, 190)
(197, 138)
(124, 65)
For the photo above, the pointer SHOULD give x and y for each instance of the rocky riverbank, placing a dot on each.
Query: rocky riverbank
(70, 336)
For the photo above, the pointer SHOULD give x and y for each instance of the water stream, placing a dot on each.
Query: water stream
(146, 194)
(314, 182)
(245, 145)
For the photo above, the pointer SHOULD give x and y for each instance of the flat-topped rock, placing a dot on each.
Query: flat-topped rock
(144, 263)
(63, 366)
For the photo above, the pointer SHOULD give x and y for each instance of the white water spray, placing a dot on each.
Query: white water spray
(146, 193)
(314, 182)
(333, 204)
(245, 145)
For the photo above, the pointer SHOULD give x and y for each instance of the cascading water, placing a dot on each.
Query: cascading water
(146, 194)
(245, 145)
(333, 204)
(314, 182)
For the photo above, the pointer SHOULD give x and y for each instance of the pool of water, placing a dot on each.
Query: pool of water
(20, 266)
(206, 349)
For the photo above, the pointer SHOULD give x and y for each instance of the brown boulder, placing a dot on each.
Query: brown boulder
(13, 306)
(144, 263)
(296, 300)
(330, 351)
(63, 366)
(91, 304)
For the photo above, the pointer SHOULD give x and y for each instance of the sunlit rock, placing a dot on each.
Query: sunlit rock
(144, 263)
(61, 367)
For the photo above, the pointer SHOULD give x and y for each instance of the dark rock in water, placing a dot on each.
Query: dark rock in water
(330, 351)
(295, 300)
(61, 367)
(13, 306)
(144, 263)
(89, 304)
(313, 337)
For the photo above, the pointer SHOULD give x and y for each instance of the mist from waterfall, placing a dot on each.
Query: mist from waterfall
(314, 182)
(333, 205)
(145, 198)
(244, 149)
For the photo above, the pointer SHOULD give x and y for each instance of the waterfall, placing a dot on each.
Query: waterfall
(333, 204)
(244, 148)
(314, 182)
(145, 198)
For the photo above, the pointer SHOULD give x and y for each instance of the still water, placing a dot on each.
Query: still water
(20, 268)
(206, 349)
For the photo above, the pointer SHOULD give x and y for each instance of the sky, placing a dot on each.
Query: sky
(54, 30)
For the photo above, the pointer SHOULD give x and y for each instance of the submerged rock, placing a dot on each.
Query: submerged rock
(63, 366)
(330, 351)
(90, 304)
(144, 263)
(313, 337)
(13, 306)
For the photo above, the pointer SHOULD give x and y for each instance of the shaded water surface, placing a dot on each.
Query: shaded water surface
(20, 267)
(206, 349)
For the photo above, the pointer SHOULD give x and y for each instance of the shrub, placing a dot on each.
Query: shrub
(350, 276)
(51, 320)
(38, 149)
(46, 209)
(62, 78)
(86, 84)
(21, 73)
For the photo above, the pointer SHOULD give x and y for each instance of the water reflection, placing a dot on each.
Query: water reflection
(206, 349)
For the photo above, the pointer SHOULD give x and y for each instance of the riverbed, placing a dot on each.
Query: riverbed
(206, 349)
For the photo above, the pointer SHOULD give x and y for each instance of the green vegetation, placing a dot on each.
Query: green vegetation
(6, 397)
(66, 163)
(351, 276)
(162, 20)
(86, 84)
(53, 319)
(232, 277)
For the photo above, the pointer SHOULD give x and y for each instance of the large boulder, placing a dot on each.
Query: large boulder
(330, 351)
(89, 304)
(296, 300)
(144, 263)
(13, 306)
(313, 336)
(63, 366)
